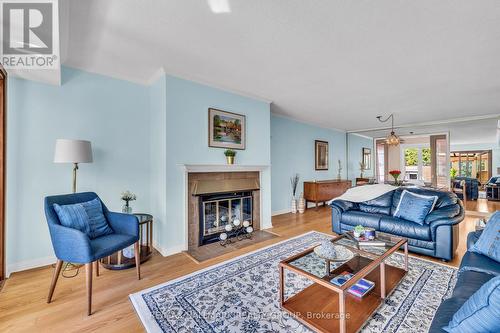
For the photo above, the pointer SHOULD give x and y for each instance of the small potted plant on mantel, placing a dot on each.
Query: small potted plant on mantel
(230, 154)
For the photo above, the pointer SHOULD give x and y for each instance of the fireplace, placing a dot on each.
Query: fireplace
(218, 211)
(215, 199)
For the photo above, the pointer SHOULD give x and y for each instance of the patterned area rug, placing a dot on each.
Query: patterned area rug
(241, 295)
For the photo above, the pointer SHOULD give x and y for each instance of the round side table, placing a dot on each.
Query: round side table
(125, 258)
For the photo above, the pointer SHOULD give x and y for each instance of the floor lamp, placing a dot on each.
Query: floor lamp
(73, 151)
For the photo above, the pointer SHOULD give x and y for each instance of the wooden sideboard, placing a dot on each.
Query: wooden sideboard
(325, 190)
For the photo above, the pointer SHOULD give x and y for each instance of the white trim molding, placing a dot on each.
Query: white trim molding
(29, 264)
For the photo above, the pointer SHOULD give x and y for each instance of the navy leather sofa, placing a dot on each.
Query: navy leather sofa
(438, 237)
(471, 187)
(475, 270)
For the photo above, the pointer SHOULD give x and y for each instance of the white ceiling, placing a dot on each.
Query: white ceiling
(331, 62)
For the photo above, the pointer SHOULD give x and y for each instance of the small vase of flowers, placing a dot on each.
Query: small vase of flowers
(128, 196)
(395, 174)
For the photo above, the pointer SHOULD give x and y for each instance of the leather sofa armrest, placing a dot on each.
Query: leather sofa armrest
(443, 213)
(472, 238)
(447, 221)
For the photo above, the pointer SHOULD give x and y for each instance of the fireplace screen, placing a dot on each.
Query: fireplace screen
(219, 210)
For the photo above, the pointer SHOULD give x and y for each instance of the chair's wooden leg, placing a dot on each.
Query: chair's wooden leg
(57, 271)
(137, 259)
(96, 267)
(88, 269)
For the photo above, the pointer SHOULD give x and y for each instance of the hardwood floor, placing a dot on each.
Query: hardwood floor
(23, 306)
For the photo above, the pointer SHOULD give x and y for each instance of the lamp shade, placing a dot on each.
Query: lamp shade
(73, 151)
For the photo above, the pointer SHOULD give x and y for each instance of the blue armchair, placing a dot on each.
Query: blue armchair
(71, 245)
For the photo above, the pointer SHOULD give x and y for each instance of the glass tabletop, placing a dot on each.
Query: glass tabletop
(362, 254)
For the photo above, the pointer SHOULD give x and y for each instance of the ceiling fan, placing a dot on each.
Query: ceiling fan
(392, 139)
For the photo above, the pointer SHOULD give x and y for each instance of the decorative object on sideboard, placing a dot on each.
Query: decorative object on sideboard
(230, 154)
(362, 169)
(294, 181)
(339, 171)
(236, 231)
(367, 158)
(226, 129)
(128, 196)
(321, 155)
(392, 139)
(302, 203)
(73, 151)
(395, 174)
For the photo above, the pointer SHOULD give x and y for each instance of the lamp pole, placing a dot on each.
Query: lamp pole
(75, 168)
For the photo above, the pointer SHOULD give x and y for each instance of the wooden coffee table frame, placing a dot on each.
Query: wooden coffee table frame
(325, 307)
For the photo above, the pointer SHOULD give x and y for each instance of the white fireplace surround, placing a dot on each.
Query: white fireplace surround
(265, 192)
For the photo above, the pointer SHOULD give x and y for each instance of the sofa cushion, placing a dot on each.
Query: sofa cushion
(488, 243)
(481, 312)
(479, 263)
(354, 218)
(444, 314)
(375, 209)
(385, 200)
(444, 198)
(468, 282)
(415, 207)
(404, 228)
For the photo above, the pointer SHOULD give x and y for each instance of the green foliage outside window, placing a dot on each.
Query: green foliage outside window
(411, 156)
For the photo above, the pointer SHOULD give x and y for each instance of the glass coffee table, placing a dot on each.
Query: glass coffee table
(325, 307)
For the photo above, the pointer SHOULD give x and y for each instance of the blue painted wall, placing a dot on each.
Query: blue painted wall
(111, 113)
(292, 151)
(186, 130)
(158, 156)
(355, 144)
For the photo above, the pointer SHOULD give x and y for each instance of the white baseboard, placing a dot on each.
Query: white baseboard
(168, 251)
(285, 211)
(29, 264)
(279, 212)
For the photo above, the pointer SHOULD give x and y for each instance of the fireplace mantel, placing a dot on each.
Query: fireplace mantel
(222, 167)
(264, 193)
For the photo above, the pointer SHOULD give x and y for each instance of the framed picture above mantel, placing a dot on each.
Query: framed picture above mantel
(226, 129)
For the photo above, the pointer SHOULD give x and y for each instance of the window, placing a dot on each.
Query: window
(416, 163)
